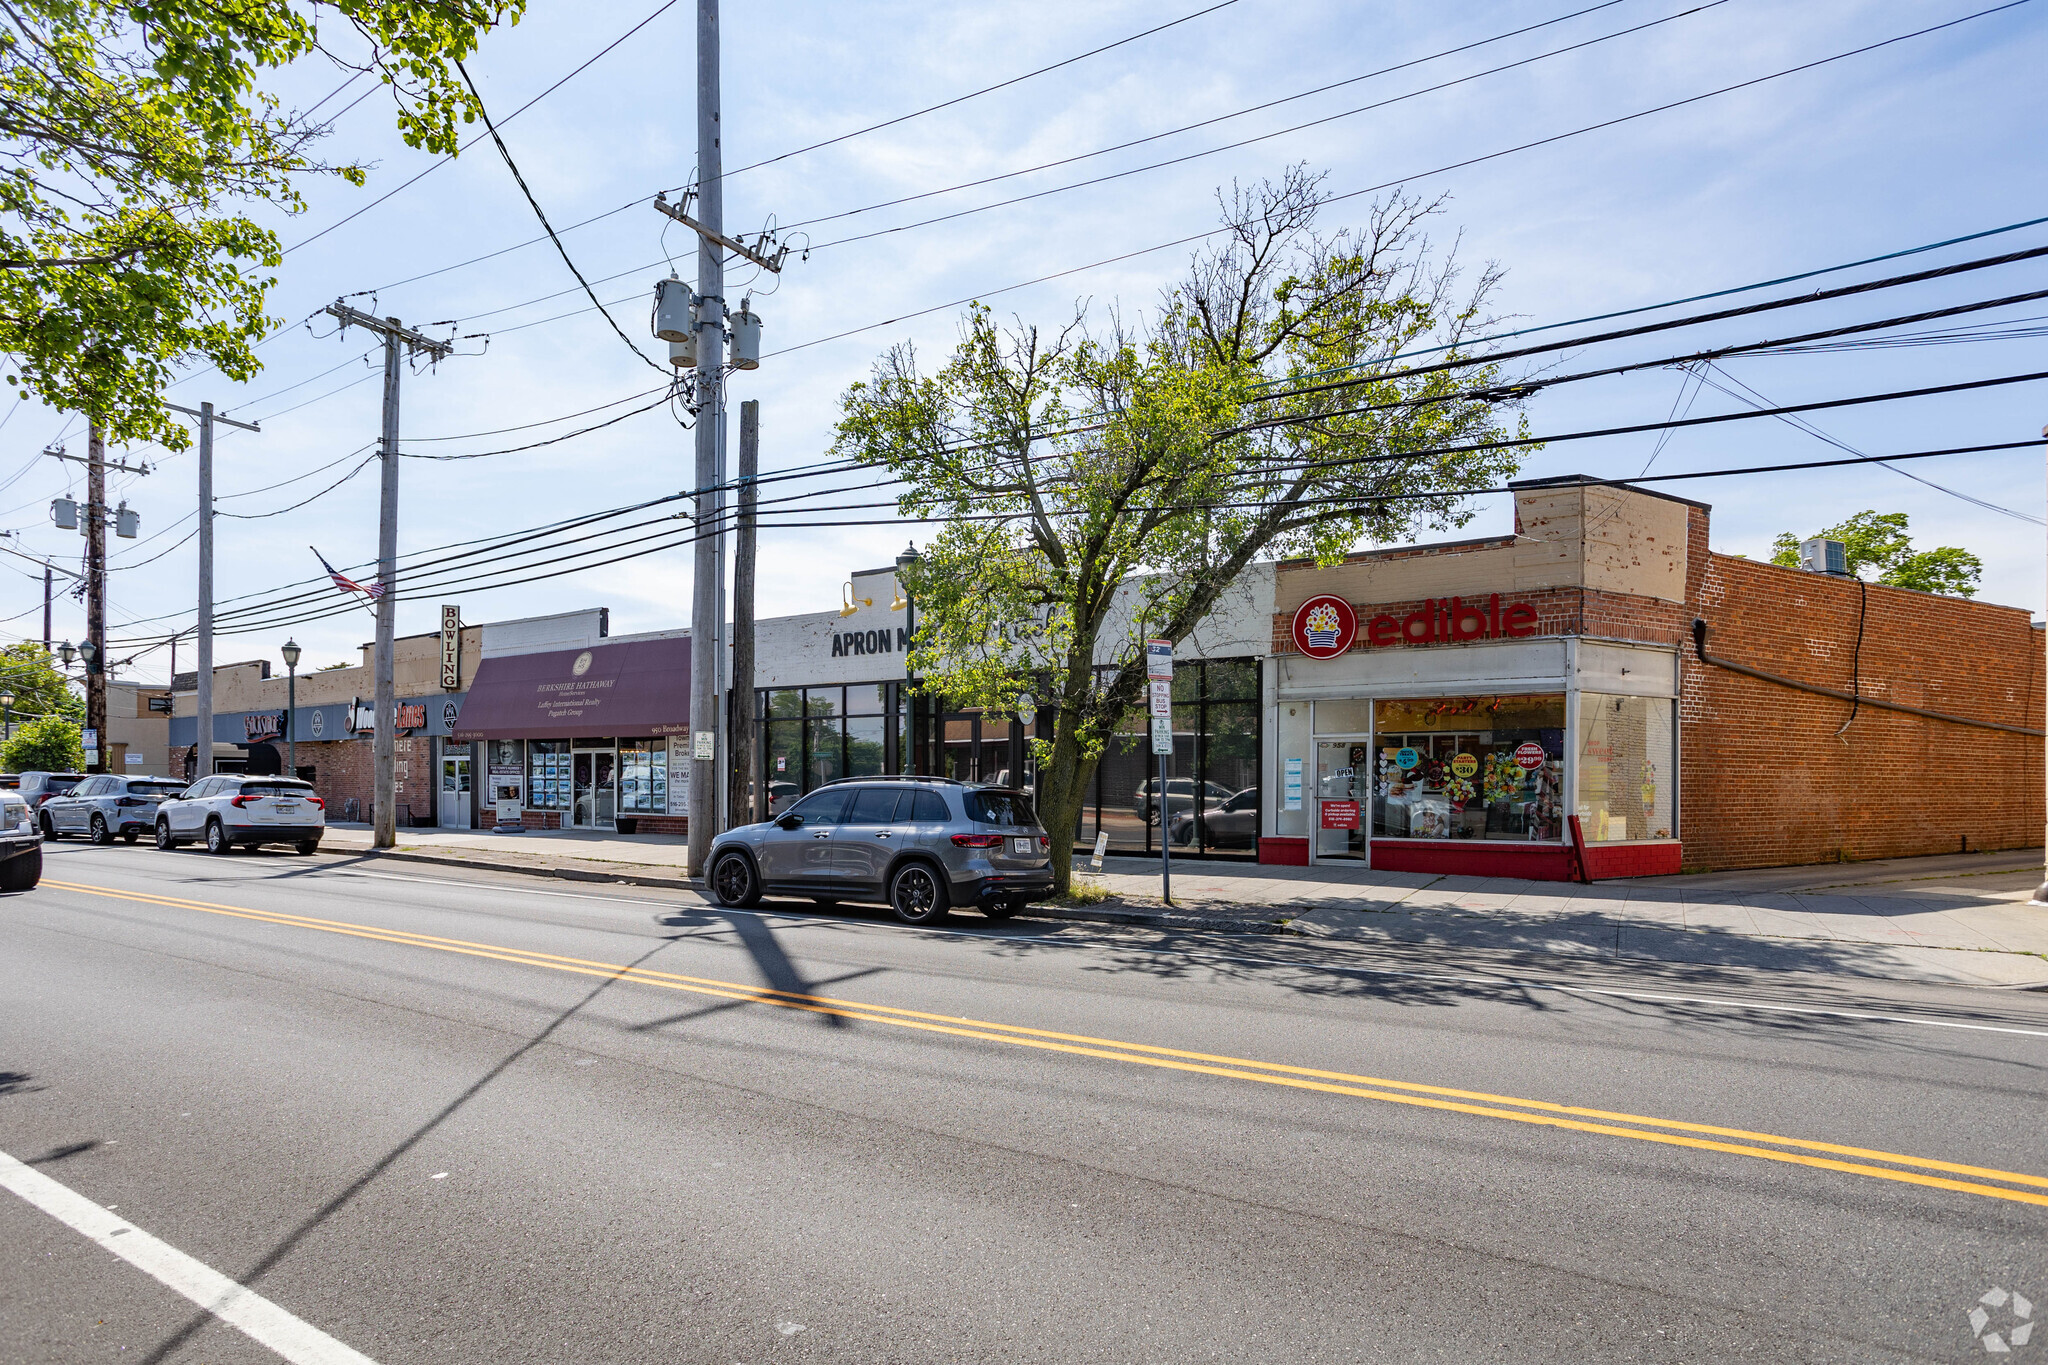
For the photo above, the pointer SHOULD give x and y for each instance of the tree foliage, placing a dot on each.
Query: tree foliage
(38, 688)
(49, 745)
(1106, 483)
(1877, 546)
(131, 135)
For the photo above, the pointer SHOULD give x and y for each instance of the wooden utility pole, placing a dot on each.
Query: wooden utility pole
(398, 340)
(202, 747)
(96, 595)
(740, 804)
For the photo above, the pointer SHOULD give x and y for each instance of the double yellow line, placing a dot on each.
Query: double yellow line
(1912, 1170)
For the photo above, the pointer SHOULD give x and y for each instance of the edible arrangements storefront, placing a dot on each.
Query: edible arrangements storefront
(1540, 705)
(594, 738)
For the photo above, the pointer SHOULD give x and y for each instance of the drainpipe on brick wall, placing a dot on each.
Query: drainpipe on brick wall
(2041, 892)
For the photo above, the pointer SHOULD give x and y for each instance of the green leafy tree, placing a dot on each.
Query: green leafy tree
(1104, 484)
(132, 133)
(27, 672)
(1877, 547)
(52, 745)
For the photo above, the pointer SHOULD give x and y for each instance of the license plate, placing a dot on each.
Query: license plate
(1022, 847)
(283, 806)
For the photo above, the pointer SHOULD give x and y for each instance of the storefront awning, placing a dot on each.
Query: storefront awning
(636, 688)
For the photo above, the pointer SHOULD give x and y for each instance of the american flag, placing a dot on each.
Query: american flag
(373, 591)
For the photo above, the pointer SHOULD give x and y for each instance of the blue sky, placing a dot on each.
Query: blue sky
(1916, 142)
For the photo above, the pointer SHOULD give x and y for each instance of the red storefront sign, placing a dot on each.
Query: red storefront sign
(1325, 627)
(1529, 756)
(1340, 815)
(1445, 620)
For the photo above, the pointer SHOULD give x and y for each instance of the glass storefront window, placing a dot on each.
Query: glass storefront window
(866, 743)
(1627, 772)
(643, 776)
(1212, 799)
(547, 774)
(1469, 768)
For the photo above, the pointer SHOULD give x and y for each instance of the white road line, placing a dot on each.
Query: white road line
(296, 1340)
(1715, 1002)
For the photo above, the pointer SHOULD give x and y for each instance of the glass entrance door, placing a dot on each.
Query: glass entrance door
(454, 802)
(1343, 797)
(593, 789)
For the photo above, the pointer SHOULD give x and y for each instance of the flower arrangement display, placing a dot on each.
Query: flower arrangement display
(1505, 779)
(1459, 790)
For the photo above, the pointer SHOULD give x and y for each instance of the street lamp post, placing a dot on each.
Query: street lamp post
(291, 705)
(903, 563)
(6, 710)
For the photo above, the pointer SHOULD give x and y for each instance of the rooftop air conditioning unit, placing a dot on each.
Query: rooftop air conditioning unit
(1824, 556)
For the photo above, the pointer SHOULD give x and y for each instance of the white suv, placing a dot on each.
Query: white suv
(230, 809)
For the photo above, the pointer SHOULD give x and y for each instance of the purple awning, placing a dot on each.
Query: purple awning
(637, 688)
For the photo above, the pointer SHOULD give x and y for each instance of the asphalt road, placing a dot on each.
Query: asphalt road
(449, 1117)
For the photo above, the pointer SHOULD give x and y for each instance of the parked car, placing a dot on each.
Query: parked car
(21, 845)
(104, 806)
(1180, 796)
(920, 845)
(231, 810)
(1234, 824)
(37, 787)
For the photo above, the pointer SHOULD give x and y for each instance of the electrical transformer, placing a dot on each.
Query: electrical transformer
(746, 339)
(674, 311)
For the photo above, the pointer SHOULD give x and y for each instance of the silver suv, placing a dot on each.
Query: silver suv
(922, 845)
(107, 805)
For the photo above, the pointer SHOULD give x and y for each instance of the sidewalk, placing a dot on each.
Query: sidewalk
(1951, 918)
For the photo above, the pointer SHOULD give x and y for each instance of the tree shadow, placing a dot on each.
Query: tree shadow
(64, 1153)
(362, 1182)
(17, 1083)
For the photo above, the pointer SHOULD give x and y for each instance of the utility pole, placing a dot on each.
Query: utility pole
(739, 805)
(2041, 894)
(202, 736)
(46, 609)
(97, 514)
(96, 595)
(384, 741)
(705, 626)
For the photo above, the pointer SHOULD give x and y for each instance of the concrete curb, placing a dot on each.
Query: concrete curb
(1152, 919)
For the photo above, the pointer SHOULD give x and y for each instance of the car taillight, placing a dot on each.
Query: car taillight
(131, 801)
(240, 801)
(318, 802)
(1045, 841)
(978, 840)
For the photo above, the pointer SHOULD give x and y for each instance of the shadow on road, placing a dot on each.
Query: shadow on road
(362, 1182)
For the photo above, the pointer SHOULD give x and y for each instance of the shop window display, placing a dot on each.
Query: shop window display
(1469, 768)
(547, 774)
(643, 776)
(1627, 751)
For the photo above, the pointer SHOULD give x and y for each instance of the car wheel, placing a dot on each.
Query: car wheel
(49, 827)
(918, 894)
(22, 872)
(217, 838)
(307, 846)
(101, 835)
(733, 881)
(164, 840)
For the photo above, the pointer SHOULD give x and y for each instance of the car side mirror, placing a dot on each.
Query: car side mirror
(789, 822)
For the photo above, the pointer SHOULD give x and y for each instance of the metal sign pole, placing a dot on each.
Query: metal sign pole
(1159, 680)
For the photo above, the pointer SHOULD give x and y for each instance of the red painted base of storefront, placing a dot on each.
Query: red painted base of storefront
(1660, 858)
(645, 824)
(1282, 851)
(1470, 858)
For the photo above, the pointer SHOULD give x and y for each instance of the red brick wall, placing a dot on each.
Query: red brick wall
(1766, 782)
(346, 769)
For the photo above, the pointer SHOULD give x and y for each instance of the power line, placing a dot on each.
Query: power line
(977, 94)
(533, 203)
(1228, 146)
(1439, 170)
(439, 162)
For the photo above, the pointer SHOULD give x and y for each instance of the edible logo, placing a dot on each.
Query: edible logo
(1325, 627)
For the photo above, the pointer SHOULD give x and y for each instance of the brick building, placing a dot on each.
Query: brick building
(1451, 708)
